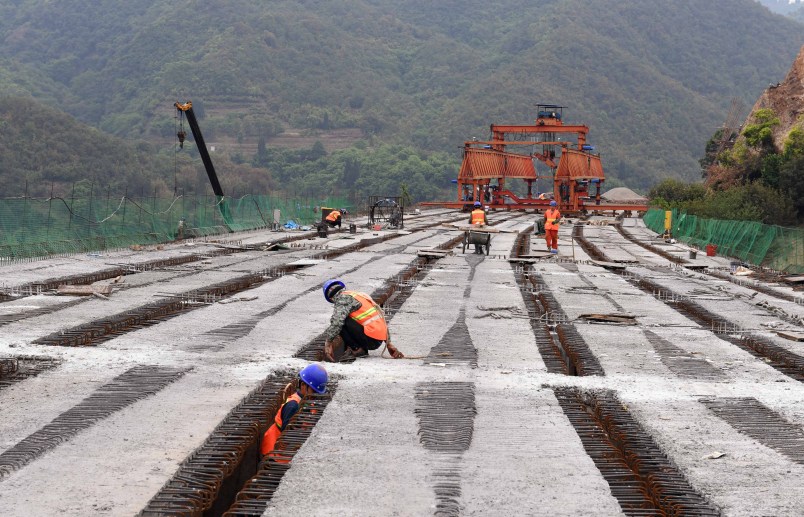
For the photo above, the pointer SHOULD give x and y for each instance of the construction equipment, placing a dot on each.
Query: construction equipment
(186, 110)
(480, 238)
(386, 211)
(575, 172)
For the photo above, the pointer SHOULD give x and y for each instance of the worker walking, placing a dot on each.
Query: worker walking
(552, 218)
(357, 324)
(333, 219)
(312, 379)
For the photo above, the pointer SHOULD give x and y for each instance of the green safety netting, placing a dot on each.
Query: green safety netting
(39, 227)
(765, 245)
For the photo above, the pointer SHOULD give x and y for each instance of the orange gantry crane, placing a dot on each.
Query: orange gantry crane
(575, 173)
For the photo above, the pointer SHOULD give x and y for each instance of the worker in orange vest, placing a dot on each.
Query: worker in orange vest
(478, 218)
(552, 218)
(333, 219)
(312, 379)
(478, 215)
(357, 324)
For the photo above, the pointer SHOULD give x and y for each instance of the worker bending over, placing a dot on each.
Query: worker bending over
(357, 324)
(478, 216)
(552, 218)
(312, 379)
(333, 219)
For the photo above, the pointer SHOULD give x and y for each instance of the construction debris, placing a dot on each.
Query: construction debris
(305, 262)
(608, 265)
(435, 253)
(536, 254)
(84, 290)
(239, 299)
(620, 319)
(792, 336)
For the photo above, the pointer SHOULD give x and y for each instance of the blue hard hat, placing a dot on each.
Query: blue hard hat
(477, 203)
(331, 287)
(553, 203)
(316, 377)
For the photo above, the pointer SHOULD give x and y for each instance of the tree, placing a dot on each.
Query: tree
(791, 181)
(407, 200)
(760, 134)
(672, 192)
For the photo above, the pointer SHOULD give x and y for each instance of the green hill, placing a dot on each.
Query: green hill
(43, 150)
(652, 79)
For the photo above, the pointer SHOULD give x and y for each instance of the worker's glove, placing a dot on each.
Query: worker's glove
(396, 354)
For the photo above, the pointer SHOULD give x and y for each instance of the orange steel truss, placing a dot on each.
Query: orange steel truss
(576, 173)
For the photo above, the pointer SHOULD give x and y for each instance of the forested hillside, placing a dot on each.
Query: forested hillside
(651, 78)
(43, 150)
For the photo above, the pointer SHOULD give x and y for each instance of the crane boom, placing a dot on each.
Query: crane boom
(187, 109)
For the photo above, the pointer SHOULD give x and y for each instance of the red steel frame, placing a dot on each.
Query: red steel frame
(577, 172)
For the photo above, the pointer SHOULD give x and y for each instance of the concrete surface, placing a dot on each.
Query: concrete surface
(365, 456)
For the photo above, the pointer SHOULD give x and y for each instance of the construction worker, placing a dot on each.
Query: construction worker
(478, 216)
(333, 219)
(552, 218)
(312, 379)
(357, 324)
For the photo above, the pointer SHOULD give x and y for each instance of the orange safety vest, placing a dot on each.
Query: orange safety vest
(273, 433)
(333, 216)
(551, 215)
(369, 316)
(478, 216)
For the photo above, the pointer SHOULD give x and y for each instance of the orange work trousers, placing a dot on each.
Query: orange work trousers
(551, 236)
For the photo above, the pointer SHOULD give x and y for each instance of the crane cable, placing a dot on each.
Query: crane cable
(181, 134)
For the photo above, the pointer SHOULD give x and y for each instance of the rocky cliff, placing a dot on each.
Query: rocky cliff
(786, 99)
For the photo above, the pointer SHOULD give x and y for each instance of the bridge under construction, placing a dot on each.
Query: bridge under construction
(621, 376)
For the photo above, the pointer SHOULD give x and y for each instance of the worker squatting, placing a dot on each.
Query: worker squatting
(356, 327)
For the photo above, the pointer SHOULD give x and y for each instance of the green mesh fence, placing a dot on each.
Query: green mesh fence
(41, 227)
(756, 243)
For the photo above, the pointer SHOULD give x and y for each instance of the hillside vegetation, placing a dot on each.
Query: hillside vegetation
(755, 171)
(652, 79)
(43, 150)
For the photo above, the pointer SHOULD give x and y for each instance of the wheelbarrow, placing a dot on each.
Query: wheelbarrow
(481, 239)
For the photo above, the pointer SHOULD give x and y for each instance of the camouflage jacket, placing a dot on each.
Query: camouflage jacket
(344, 306)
